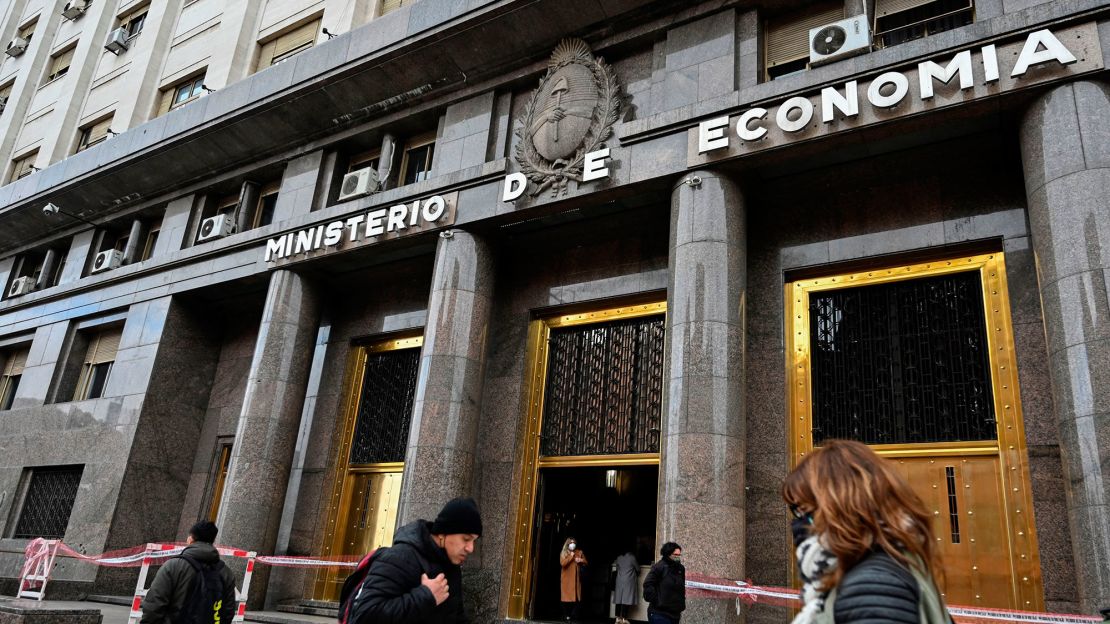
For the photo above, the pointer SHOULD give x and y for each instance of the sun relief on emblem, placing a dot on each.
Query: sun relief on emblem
(570, 115)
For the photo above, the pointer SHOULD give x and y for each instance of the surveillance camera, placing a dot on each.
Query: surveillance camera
(50, 210)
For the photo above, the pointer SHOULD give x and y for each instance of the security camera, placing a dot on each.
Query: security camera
(50, 210)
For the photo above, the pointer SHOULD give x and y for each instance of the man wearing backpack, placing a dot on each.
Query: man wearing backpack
(194, 587)
(419, 579)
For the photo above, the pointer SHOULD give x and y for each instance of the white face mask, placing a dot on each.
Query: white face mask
(572, 546)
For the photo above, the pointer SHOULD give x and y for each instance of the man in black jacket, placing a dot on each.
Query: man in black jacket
(419, 579)
(665, 586)
(172, 585)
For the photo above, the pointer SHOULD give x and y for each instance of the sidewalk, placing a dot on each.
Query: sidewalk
(115, 614)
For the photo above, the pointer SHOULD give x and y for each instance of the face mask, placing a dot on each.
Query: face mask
(676, 558)
(572, 546)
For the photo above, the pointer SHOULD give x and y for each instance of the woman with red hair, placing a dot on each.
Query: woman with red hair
(864, 541)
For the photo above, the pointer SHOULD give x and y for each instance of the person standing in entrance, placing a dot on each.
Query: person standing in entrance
(665, 586)
(419, 579)
(572, 558)
(194, 586)
(624, 590)
(865, 544)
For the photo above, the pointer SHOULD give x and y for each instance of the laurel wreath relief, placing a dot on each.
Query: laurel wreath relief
(555, 175)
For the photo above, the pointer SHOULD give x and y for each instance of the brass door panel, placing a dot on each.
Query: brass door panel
(368, 517)
(967, 503)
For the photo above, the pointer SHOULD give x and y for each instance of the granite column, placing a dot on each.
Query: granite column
(701, 488)
(1065, 144)
(439, 462)
(262, 456)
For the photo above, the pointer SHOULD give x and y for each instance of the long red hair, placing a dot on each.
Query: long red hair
(860, 502)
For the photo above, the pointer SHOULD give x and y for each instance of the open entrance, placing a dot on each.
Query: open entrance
(609, 512)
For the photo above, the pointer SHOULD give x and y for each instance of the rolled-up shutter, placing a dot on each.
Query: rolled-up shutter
(15, 363)
(788, 38)
(884, 8)
(103, 348)
(300, 38)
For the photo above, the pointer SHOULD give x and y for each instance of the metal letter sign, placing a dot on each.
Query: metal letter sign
(569, 116)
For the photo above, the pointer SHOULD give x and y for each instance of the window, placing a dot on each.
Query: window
(5, 91)
(98, 364)
(181, 93)
(28, 31)
(416, 164)
(364, 160)
(24, 166)
(134, 23)
(267, 202)
(393, 5)
(223, 463)
(287, 45)
(47, 501)
(14, 361)
(94, 133)
(151, 240)
(59, 64)
(898, 21)
(787, 40)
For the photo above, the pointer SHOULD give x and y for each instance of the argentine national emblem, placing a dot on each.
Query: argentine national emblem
(570, 115)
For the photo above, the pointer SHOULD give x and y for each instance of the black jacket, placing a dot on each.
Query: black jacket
(665, 588)
(171, 586)
(392, 592)
(877, 590)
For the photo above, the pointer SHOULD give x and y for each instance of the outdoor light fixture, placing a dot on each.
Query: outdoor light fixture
(329, 35)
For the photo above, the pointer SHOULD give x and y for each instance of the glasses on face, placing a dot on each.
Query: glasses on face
(799, 513)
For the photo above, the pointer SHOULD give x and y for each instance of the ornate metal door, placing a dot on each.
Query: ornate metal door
(918, 362)
(362, 511)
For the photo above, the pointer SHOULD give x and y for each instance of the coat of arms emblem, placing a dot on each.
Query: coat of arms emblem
(569, 115)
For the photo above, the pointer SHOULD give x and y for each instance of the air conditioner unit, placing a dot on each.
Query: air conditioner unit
(838, 40)
(74, 9)
(358, 183)
(16, 46)
(216, 227)
(117, 41)
(107, 260)
(21, 286)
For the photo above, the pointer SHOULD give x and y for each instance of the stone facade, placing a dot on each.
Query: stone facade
(221, 347)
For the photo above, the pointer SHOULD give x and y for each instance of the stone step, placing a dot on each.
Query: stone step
(311, 607)
(123, 601)
(275, 617)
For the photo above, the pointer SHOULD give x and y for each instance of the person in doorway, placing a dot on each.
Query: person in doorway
(864, 542)
(419, 579)
(572, 559)
(665, 586)
(624, 589)
(194, 586)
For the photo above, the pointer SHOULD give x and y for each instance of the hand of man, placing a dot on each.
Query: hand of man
(438, 585)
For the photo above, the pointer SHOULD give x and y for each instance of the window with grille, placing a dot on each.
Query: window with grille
(14, 361)
(48, 502)
(385, 407)
(287, 45)
(902, 362)
(99, 358)
(787, 38)
(604, 389)
(898, 21)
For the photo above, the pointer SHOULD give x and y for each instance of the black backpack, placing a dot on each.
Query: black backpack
(353, 584)
(206, 595)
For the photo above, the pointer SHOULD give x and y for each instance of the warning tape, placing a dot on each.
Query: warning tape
(784, 597)
(133, 557)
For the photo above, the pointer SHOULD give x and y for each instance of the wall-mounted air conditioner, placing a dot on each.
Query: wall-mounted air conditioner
(21, 286)
(117, 41)
(216, 227)
(358, 183)
(16, 46)
(838, 40)
(107, 260)
(74, 9)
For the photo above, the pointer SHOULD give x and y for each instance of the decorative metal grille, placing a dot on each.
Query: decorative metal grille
(49, 502)
(385, 407)
(902, 362)
(604, 391)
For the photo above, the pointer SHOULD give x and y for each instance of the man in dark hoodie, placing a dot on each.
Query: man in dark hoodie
(419, 579)
(174, 581)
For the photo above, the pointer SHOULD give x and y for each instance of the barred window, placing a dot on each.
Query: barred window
(385, 407)
(48, 501)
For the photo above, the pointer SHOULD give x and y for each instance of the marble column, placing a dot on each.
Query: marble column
(262, 455)
(1065, 145)
(439, 462)
(701, 480)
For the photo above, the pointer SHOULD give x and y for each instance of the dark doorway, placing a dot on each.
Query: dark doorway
(608, 510)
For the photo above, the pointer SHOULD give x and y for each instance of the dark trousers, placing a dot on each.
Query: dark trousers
(570, 610)
(655, 617)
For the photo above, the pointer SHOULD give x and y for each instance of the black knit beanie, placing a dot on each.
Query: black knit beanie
(459, 515)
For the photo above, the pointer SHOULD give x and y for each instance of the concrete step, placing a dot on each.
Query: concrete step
(311, 607)
(277, 617)
(123, 601)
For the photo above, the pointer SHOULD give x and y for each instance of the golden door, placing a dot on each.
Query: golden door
(362, 509)
(918, 361)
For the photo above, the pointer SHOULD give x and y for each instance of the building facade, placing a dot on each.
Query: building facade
(311, 269)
